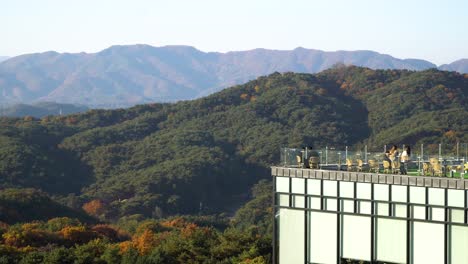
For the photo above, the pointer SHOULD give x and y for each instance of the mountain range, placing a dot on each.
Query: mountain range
(2, 58)
(123, 76)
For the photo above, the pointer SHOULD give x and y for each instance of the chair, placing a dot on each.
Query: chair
(396, 167)
(349, 164)
(437, 169)
(426, 168)
(359, 165)
(314, 162)
(299, 161)
(386, 166)
(373, 166)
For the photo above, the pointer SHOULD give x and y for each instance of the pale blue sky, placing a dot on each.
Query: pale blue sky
(431, 30)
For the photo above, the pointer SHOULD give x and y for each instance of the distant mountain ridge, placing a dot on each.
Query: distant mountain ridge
(2, 58)
(458, 66)
(123, 76)
(41, 109)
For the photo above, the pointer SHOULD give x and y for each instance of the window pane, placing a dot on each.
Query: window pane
(419, 212)
(331, 204)
(459, 244)
(365, 207)
(428, 243)
(313, 186)
(347, 189)
(298, 201)
(348, 206)
(399, 210)
(283, 199)
(323, 238)
(314, 203)
(291, 236)
(438, 214)
(382, 209)
(329, 188)
(399, 193)
(418, 195)
(456, 198)
(356, 237)
(381, 192)
(298, 185)
(436, 196)
(458, 216)
(391, 240)
(282, 184)
(363, 190)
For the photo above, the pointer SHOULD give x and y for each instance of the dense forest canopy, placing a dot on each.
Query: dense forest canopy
(201, 157)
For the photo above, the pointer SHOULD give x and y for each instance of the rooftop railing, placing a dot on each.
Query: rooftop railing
(453, 159)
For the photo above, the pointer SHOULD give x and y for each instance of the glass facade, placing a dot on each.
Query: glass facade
(334, 219)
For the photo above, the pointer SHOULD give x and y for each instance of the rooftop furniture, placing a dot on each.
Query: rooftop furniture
(359, 165)
(426, 168)
(299, 161)
(349, 164)
(396, 167)
(437, 169)
(373, 166)
(386, 166)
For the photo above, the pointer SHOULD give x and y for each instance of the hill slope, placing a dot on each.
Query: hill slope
(129, 75)
(202, 155)
(24, 205)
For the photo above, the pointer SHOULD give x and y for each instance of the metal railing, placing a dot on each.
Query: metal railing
(449, 155)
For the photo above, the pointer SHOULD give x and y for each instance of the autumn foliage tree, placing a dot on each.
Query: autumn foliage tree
(144, 242)
(95, 207)
(78, 234)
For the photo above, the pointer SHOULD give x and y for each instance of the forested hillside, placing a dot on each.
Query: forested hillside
(134, 239)
(201, 157)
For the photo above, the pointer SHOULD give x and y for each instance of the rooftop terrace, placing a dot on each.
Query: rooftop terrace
(422, 162)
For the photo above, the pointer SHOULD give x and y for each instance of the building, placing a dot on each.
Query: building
(326, 216)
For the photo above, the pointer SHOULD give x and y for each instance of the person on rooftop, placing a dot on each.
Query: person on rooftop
(387, 162)
(393, 153)
(386, 156)
(405, 158)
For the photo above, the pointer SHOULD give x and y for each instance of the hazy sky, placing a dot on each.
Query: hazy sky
(425, 29)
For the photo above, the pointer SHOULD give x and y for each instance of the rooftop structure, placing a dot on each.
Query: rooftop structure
(331, 216)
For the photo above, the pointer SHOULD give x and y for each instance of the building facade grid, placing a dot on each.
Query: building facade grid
(369, 217)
